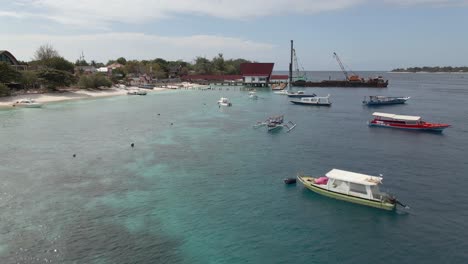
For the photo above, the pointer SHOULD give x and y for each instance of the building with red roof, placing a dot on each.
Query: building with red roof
(252, 74)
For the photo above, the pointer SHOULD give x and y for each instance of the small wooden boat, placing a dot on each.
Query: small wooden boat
(136, 92)
(275, 123)
(405, 122)
(351, 187)
(384, 100)
(316, 101)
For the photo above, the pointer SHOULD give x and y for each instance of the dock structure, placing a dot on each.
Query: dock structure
(252, 75)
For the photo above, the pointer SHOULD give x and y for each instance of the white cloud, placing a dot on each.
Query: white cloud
(429, 2)
(11, 14)
(102, 47)
(102, 13)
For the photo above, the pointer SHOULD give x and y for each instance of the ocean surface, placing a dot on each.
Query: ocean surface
(202, 186)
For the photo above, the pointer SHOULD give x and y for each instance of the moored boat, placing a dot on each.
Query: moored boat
(405, 122)
(300, 94)
(316, 101)
(224, 102)
(136, 92)
(384, 100)
(275, 123)
(27, 103)
(253, 95)
(282, 92)
(377, 82)
(351, 187)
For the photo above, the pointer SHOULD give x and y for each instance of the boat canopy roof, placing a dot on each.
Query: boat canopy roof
(354, 177)
(399, 117)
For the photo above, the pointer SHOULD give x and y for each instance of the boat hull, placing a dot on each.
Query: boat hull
(433, 128)
(300, 95)
(275, 128)
(28, 105)
(344, 197)
(396, 101)
(354, 84)
(314, 104)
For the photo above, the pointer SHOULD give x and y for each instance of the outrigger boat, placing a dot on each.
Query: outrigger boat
(351, 187)
(405, 122)
(317, 101)
(384, 100)
(275, 123)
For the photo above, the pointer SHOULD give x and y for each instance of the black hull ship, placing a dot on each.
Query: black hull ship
(374, 83)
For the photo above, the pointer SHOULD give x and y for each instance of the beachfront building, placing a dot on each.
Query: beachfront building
(85, 70)
(279, 79)
(256, 74)
(252, 74)
(8, 58)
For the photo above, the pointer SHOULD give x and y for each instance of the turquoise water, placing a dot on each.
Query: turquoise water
(208, 188)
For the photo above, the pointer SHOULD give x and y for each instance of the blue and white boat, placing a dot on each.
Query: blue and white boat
(384, 100)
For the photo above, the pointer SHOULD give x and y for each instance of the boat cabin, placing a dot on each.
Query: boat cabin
(315, 100)
(354, 184)
(410, 120)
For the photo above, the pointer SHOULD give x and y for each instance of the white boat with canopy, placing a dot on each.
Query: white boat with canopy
(224, 102)
(352, 187)
(27, 103)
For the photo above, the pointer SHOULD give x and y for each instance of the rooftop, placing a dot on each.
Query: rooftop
(354, 177)
(398, 117)
(256, 69)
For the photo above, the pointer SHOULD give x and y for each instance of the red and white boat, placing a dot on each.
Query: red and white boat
(405, 122)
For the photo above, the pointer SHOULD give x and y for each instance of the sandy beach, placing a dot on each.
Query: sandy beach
(8, 101)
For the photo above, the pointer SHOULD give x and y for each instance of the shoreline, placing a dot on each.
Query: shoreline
(426, 72)
(44, 98)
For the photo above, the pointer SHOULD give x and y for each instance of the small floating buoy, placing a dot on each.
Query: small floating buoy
(172, 124)
(289, 180)
(74, 155)
(159, 114)
(132, 145)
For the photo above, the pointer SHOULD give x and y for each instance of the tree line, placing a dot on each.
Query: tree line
(50, 70)
(432, 69)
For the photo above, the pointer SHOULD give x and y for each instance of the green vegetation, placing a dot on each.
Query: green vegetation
(432, 69)
(4, 90)
(30, 80)
(50, 70)
(8, 74)
(94, 81)
(53, 78)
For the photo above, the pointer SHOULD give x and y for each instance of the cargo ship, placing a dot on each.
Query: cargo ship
(377, 82)
(351, 80)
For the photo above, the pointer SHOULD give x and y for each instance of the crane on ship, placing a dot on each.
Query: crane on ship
(298, 68)
(353, 77)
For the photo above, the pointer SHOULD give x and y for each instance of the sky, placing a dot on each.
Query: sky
(366, 34)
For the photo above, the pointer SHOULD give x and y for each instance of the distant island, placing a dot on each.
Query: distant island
(432, 69)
